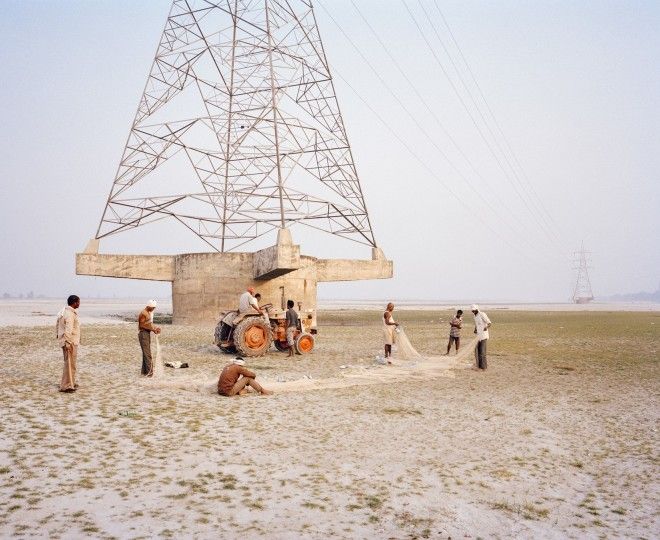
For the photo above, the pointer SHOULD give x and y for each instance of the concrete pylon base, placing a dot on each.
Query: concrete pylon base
(205, 284)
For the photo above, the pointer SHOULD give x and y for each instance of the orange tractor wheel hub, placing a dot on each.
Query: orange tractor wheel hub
(255, 337)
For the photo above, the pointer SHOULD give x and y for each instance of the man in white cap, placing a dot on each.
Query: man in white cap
(235, 377)
(145, 327)
(481, 326)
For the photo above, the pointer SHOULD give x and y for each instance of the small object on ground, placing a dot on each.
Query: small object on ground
(176, 364)
(343, 366)
(381, 360)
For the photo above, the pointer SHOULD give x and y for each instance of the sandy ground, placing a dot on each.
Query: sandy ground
(557, 439)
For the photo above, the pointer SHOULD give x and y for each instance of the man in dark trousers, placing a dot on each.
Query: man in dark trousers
(481, 326)
(455, 331)
(235, 377)
(291, 326)
(145, 327)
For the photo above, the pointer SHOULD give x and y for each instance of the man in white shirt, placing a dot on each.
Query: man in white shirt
(481, 326)
(247, 303)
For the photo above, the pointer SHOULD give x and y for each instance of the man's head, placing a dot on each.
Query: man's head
(390, 307)
(474, 308)
(151, 305)
(258, 296)
(251, 290)
(459, 313)
(239, 361)
(73, 301)
(289, 304)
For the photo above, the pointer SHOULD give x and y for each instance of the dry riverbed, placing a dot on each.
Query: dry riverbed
(557, 439)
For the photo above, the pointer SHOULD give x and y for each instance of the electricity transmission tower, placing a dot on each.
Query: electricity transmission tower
(582, 293)
(240, 97)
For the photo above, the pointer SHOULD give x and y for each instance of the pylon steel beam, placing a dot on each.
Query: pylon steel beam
(267, 145)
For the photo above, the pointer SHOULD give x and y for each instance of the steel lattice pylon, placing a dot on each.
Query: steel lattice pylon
(268, 133)
(582, 292)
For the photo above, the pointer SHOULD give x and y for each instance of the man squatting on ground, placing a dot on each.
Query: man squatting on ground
(235, 377)
(455, 331)
(68, 335)
(481, 326)
(291, 326)
(145, 327)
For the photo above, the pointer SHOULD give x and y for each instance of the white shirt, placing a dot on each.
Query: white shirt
(481, 321)
(246, 302)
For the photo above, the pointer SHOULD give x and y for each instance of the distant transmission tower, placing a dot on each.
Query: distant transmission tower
(240, 97)
(582, 293)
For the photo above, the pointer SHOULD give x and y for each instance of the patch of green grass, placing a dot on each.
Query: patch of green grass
(313, 506)
(373, 501)
(177, 496)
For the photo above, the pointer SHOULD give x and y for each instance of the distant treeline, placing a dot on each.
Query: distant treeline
(28, 296)
(634, 297)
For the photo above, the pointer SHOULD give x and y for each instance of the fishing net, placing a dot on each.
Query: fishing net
(158, 365)
(404, 349)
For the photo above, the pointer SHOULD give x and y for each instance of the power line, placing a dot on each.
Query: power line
(410, 150)
(476, 125)
(495, 121)
(419, 126)
(432, 173)
(444, 129)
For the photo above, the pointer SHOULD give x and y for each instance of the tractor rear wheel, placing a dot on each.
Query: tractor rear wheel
(304, 343)
(252, 336)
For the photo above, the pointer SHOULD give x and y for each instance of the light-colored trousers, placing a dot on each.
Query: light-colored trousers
(242, 383)
(69, 371)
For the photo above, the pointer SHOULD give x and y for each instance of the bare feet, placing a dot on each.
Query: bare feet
(265, 392)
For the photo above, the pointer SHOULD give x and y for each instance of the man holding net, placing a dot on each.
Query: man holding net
(145, 327)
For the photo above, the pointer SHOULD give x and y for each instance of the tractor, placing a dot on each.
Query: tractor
(251, 334)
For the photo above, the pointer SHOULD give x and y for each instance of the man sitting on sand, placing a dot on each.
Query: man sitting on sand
(235, 377)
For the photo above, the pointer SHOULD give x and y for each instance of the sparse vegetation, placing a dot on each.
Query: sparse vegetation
(363, 461)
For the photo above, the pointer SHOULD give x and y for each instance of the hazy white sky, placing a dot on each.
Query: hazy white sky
(575, 87)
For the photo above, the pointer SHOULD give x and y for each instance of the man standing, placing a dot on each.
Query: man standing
(291, 326)
(145, 327)
(235, 377)
(68, 335)
(247, 303)
(455, 331)
(481, 326)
